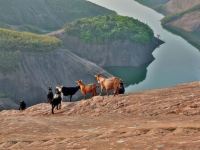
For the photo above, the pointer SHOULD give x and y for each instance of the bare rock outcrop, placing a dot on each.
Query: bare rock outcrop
(116, 53)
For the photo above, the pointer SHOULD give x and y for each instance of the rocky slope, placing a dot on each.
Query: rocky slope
(188, 22)
(178, 6)
(157, 119)
(187, 25)
(37, 71)
(182, 17)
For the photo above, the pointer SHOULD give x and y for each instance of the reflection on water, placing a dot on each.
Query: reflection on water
(175, 62)
(130, 75)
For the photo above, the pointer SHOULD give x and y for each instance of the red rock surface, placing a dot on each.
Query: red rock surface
(157, 119)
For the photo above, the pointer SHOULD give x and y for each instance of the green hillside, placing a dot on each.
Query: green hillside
(12, 43)
(110, 28)
(42, 16)
(13, 40)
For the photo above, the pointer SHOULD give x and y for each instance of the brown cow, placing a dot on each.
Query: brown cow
(89, 88)
(112, 83)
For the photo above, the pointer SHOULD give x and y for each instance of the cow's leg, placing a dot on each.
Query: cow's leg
(116, 91)
(70, 99)
(60, 106)
(95, 91)
(62, 96)
(92, 93)
(85, 96)
(107, 92)
(101, 91)
(52, 109)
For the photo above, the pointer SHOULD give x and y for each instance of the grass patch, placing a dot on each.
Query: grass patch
(13, 40)
(110, 28)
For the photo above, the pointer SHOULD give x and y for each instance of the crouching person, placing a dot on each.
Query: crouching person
(56, 102)
(22, 105)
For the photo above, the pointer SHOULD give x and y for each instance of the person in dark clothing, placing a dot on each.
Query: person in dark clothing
(121, 89)
(50, 95)
(22, 105)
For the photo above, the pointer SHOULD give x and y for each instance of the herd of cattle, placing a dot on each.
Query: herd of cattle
(113, 83)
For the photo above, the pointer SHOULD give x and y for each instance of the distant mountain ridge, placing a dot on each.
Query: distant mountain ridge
(41, 16)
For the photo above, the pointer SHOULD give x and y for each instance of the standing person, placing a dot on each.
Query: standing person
(22, 105)
(50, 95)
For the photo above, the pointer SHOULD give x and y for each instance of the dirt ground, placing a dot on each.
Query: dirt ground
(164, 119)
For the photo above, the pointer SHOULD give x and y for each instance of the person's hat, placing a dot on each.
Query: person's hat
(50, 88)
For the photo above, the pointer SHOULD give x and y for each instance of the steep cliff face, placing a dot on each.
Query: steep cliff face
(116, 53)
(37, 71)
